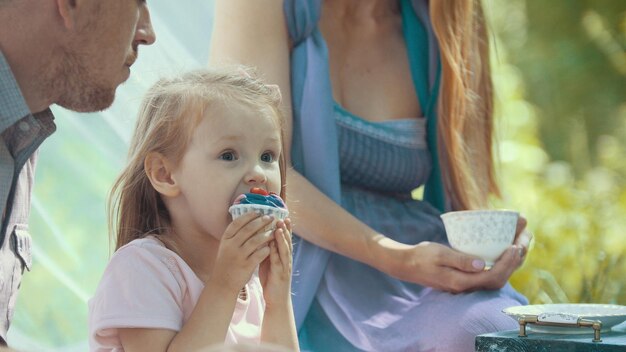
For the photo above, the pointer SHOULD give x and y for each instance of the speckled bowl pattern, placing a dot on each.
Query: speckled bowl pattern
(482, 233)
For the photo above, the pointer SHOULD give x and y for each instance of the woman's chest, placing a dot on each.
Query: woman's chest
(370, 72)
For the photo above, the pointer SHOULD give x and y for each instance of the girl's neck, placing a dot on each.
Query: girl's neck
(199, 252)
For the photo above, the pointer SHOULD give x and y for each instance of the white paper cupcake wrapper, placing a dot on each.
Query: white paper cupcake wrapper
(238, 210)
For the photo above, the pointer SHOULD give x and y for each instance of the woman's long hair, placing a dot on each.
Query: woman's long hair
(170, 111)
(465, 107)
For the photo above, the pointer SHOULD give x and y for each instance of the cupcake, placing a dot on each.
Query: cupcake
(259, 201)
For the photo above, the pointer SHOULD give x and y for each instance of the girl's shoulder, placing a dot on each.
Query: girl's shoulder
(144, 285)
(148, 256)
(146, 247)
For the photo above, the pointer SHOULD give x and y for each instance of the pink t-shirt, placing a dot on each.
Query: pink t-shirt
(146, 285)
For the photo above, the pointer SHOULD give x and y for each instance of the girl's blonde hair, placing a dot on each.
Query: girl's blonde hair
(465, 109)
(171, 110)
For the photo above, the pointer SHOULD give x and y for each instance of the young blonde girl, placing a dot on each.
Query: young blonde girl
(184, 275)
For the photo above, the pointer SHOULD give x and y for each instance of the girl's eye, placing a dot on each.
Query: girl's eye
(267, 157)
(228, 156)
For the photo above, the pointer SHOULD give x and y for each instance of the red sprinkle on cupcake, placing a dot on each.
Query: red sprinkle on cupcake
(257, 190)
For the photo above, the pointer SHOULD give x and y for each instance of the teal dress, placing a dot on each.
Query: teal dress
(370, 169)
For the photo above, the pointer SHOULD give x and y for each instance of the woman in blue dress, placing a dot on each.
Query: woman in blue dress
(384, 96)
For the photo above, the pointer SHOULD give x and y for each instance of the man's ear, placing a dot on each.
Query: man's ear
(68, 11)
(159, 171)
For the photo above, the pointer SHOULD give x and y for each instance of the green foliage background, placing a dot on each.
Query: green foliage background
(560, 76)
(559, 69)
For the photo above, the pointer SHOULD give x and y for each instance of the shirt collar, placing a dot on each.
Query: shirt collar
(12, 104)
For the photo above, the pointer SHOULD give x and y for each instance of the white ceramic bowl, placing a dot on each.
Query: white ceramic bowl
(610, 315)
(482, 233)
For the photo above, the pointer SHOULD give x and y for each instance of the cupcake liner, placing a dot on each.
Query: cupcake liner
(238, 210)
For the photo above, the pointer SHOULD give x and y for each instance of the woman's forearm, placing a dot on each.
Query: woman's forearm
(321, 221)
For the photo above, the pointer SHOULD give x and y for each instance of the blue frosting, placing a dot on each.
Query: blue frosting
(271, 200)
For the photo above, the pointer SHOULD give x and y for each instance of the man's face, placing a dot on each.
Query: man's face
(99, 55)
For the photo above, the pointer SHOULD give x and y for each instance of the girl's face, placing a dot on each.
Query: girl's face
(234, 147)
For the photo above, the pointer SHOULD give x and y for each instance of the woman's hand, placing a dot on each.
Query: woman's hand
(275, 270)
(443, 268)
(523, 237)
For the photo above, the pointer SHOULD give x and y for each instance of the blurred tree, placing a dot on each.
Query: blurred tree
(573, 61)
(559, 73)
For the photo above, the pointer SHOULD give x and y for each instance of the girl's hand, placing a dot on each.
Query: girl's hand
(275, 271)
(243, 246)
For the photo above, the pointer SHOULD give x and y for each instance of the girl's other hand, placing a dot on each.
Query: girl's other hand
(275, 271)
(243, 246)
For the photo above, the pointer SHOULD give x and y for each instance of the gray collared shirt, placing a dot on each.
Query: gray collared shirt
(21, 133)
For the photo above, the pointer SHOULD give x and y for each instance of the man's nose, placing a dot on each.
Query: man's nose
(144, 34)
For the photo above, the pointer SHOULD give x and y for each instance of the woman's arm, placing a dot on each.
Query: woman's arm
(254, 33)
(323, 222)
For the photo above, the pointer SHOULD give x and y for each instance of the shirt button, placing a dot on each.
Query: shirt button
(24, 126)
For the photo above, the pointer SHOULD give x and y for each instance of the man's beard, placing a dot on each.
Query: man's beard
(80, 87)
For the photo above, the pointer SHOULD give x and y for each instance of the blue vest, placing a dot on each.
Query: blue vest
(314, 150)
